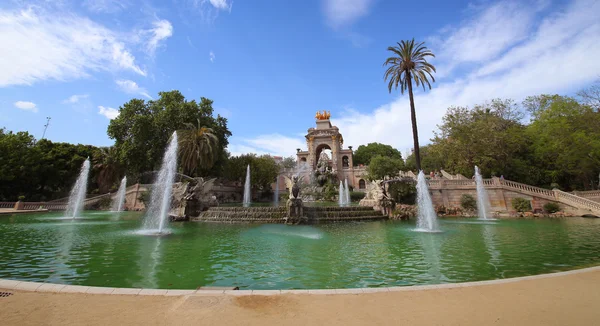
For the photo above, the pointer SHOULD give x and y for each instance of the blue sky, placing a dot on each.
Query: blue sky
(269, 65)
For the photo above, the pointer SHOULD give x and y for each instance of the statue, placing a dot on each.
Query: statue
(325, 115)
(295, 209)
(191, 198)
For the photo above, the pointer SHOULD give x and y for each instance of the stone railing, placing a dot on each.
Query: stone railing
(7, 204)
(587, 194)
(521, 187)
(577, 201)
(447, 175)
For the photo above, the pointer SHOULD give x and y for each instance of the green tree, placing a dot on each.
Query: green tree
(408, 64)
(566, 143)
(289, 162)
(489, 135)
(364, 154)
(198, 147)
(591, 96)
(142, 130)
(263, 170)
(107, 167)
(382, 166)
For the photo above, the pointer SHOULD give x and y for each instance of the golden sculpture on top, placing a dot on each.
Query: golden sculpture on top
(325, 115)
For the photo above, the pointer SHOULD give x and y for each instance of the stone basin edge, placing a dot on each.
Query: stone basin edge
(26, 286)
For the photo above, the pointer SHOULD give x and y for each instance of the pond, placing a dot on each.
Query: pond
(103, 249)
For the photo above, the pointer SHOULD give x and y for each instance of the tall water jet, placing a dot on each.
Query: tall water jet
(160, 202)
(119, 201)
(77, 196)
(426, 217)
(483, 201)
(247, 200)
(341, 195)
(347, 193)
(276, 195)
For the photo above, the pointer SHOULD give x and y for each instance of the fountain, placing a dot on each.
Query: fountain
(117, 205)
(341, 195)
(77, 196)
(160, 202)
(247, 188)
(347, 193)
(426, 217)
(276, 195)
(483, 201)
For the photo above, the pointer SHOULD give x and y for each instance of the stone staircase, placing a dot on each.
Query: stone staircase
(279, 214)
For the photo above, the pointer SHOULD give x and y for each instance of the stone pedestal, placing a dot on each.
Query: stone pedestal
(295, 209)
(19, 206)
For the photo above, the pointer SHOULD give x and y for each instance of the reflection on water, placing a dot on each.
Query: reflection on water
(489, 234)
(99, 251)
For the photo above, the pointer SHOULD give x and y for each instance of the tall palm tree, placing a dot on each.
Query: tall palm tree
(197, 147)
(408, 64)
(107, 166)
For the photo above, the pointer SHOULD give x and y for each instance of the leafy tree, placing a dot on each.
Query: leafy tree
(364, 154)
(142, 130)
(431, 159)
(107, 167)
(408, 64)
(289, 162)
(489, 135)
(566, 143)
(382, 166)
(591, 96)
(263, 170)
(198, 147)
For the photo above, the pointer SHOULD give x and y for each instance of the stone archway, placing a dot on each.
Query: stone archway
(318, 150)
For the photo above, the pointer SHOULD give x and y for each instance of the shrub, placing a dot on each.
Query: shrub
(551, 208)
(468, 202)
(356, 195)
(403, 192)
(521, 204)
(21, 198)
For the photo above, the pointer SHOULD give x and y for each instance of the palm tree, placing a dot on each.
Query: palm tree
(108, 167)
(197, 147)
(409, 63)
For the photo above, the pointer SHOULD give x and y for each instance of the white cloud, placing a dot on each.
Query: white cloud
(161, 30)
(211, 56)
(484, 36)
(38, 44)
(109, 113)
(26, 106)
(272, 144)
(345, 12)
(555, 55)
(221, 4)
(131, 87)
(74, 99)
(106, 6)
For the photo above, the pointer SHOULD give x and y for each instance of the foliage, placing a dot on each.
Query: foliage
(108, 168)
(40, 170)
(591, 96)
(407, 64)
(145, 196)
(102, 204)
(566, 143)
(382, 166)
(468, 202)
(364, 153)
(263, 169)
(402, 192)
(289, 162)
(198, 146)
(488, 135)
(356, 195)
(143, 128)
(521, 204)
(551, 207)
(330, 191)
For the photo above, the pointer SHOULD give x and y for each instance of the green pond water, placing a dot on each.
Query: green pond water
(104, 250)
